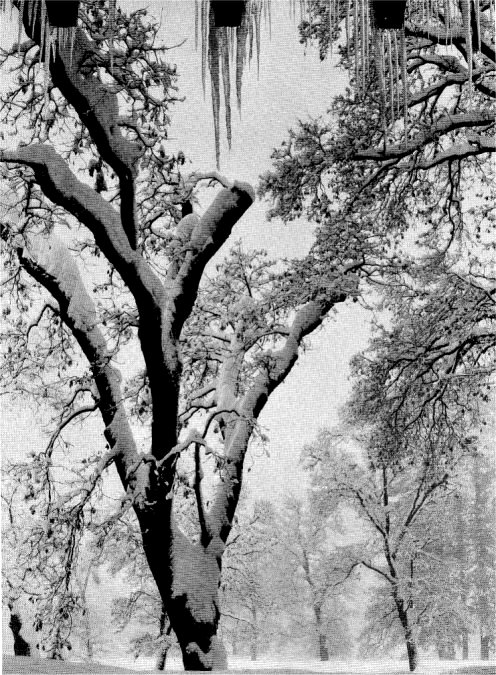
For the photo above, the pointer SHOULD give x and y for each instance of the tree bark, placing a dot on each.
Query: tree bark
(187, 577)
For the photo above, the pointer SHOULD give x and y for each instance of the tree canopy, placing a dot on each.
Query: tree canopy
(119, 309)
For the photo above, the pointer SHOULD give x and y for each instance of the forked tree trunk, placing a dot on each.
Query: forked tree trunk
(187, 576)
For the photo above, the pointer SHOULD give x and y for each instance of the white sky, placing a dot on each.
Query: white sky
(290, 86)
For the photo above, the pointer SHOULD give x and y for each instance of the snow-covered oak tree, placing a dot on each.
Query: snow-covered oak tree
(397, 501)
(109, 314)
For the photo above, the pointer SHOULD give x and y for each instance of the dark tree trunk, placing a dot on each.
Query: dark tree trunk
(162, 658)
(484, 647)
(187, 577)
(411, 645)
(323, 651)
(21, 647)
(411, 650)
(165, 631)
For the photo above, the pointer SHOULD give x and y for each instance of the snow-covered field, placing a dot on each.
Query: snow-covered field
(28, 666)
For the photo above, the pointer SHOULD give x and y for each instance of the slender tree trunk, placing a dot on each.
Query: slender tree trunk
(465, 645)
(162, 658)
(55, 652)
(88, 640)
(323, 651)
(254, 635)
(411, 645)
(484, 647)
(411, 650)
(89, 648)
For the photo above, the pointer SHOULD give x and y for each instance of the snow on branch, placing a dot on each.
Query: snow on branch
(49, 262)
(83, 410)
(443, 125)
(61, 186)
(205, 239)
(96, 105)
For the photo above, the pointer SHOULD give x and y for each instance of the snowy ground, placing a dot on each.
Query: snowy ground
(27, 666)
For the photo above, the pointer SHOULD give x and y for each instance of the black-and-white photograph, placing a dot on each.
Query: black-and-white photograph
(248, 336)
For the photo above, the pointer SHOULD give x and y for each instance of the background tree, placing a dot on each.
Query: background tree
(313, 601)
(250, 592)
(397, 498)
